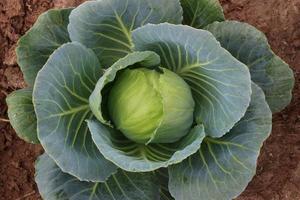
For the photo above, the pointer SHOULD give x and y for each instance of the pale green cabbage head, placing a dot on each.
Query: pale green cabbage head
(150, 106)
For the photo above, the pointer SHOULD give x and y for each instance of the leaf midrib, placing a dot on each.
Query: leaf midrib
(124, 30)
(72, 110)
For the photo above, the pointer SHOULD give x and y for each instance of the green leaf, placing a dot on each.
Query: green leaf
(21, 114)
(105, 26)
(163, 177)
(251, 47)
(61, 103)
(53, 184)
(135, 157)
(47, 34)
(220, 84)
(99, 96)
(279, 91)
(223, 167)
(200, 13)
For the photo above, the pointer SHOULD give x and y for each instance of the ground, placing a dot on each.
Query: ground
(278, 172)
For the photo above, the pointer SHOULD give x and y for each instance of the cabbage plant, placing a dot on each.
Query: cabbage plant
(146, 99)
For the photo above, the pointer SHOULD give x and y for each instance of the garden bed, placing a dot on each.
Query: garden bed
(278, 172)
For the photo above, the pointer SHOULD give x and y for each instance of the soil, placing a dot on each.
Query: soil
(278, 172)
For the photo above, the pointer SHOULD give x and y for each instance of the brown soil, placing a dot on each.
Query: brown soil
(278, 173)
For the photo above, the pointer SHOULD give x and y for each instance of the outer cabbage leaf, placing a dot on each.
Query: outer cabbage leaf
(99, 96)
(135, 157)
(199, 13)
(163, 177)
(105, 26)
(60, 98)
(54, 184)
(47, 34)
(21, 114)
(251, 47)
(220, 84)
(223, 167)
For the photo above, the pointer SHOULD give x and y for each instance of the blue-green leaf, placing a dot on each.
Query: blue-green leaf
(135, 157)
(251, 47)
(163, 177)
(60, 98)
(54, 184)
(199, 13)
(21, 114)
(220, 84)
(223, 167)
(105, 26)
(47, 34)
(100, 93)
